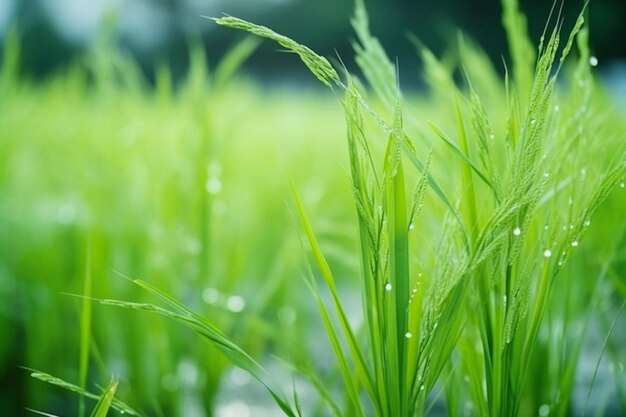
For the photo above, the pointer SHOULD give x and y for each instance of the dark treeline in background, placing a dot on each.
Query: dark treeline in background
(159, 31)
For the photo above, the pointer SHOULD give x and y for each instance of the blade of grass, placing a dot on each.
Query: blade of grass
(85, 330)
(207, 330)
(115, 403)
(106, 400)
(356, 352)
(233, 59)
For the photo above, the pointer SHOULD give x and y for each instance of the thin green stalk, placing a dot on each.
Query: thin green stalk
(85, 329)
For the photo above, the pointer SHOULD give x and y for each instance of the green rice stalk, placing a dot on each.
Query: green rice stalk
(106, 401)
(85, 330)
(318, 65)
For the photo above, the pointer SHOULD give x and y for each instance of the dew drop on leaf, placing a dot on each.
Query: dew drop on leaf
(236, 303)
(213, 185)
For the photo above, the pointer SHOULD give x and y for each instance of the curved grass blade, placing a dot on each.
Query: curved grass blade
(357, 353)
(207, 330)
(114, 403)
(41, 413)
(318, 65)
(234, 58)
(441, 135)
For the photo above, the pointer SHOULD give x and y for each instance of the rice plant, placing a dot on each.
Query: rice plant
(525, 197)
(485, 252)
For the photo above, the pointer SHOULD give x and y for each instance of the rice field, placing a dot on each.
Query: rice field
(219, 248)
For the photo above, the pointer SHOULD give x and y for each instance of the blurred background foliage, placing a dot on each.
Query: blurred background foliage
(157, 31)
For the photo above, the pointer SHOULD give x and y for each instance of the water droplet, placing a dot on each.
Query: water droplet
(240, 377)
(621, 184)
(411, 226)
(193, 245)
(234, 409)
(435, 325)
(517, 231)
(547, 253)
(213, 185)
(574, 243)
(422, 387)
(544, 410)
(492, 136)
(67, 213)
(571, 227)
(504, 299)
(388, 286)
(287, 315)
(583, 171)
(408, 335)
(468, 409)
(188, 372)
(556, 108)
(593, 61)
(210, 295)
(546, 174)
(533, 121)
(414, 290)
(235, 303)
(570, 200)
(546, 227)
(587, 222)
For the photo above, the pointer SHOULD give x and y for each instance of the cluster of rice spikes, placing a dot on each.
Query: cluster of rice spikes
(104, 402)
(528, 184)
